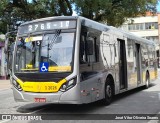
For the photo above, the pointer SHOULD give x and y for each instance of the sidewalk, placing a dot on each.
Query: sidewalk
(5, 84)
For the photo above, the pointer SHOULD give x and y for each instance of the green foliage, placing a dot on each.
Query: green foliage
(22, 10)
(1, 40)
(114, 12)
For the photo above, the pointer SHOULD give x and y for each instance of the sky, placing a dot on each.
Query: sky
(158, 7)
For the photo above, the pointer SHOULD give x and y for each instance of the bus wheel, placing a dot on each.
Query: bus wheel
(108, 92)
(147, 80)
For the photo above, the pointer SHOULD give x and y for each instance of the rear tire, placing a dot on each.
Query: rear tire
(108, 92)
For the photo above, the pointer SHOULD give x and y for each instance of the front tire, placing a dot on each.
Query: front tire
(108, 92)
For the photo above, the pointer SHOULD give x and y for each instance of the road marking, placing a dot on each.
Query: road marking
(35, 111)
(3, 121)
(5, 89)
(154, 121)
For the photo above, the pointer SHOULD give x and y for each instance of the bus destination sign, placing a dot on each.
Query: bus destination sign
(47, 25)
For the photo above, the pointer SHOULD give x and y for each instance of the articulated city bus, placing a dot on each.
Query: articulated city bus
(74, 60)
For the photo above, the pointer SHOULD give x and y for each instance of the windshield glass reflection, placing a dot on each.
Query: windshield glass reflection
(55, 49)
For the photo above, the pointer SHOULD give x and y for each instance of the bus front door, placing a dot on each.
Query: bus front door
(122, 64)
(138, 63)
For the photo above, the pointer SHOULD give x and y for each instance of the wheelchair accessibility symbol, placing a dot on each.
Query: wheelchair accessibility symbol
(44, 67)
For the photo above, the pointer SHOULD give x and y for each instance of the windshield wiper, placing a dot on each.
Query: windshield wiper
(53, 41)
(50, 42)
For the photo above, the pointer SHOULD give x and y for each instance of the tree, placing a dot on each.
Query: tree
(114, 12)
(12, 11)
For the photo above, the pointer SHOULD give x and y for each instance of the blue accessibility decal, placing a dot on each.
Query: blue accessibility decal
(44, 66)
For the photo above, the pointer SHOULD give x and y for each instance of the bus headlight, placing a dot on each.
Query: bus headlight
(68, 85)
(16, 85)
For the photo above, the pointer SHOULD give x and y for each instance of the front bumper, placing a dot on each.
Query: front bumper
(59, 97)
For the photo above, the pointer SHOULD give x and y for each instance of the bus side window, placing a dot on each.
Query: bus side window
(82, 51)
(87, 50)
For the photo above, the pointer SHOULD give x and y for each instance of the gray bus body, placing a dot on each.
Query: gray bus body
(105, 61)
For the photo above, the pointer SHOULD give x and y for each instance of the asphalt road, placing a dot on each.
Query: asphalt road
(137, 101)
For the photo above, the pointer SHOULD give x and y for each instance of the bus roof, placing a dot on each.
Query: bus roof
(94, 24)
(52, 18)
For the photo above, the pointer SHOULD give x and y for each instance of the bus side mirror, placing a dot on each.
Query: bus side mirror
(89, 47)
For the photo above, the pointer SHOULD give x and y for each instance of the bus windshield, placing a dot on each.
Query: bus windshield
(52, 51)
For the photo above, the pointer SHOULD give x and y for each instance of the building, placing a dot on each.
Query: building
(147, 26)
(143, 26)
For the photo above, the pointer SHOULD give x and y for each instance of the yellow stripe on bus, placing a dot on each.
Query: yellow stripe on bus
(28, 39)
(153, 74)
(41, 86)
(37, 38)
(59, 68)
(51, 68)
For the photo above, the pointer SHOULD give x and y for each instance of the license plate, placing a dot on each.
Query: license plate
(40, 99)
